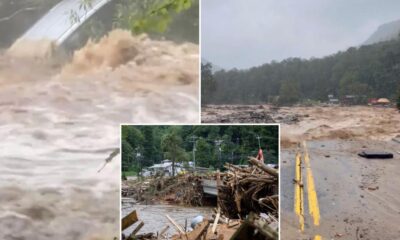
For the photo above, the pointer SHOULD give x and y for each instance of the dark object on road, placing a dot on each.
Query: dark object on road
(380, 155)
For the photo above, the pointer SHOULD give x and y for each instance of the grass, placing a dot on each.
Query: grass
(129, 173)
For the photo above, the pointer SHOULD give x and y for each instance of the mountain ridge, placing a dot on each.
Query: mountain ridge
(385, 32)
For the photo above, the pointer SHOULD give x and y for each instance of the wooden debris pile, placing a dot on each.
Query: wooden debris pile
(247, 203)
(182, 189)
(257, 227)
(242, 190)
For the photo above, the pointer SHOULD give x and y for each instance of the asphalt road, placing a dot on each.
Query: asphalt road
(329, 192)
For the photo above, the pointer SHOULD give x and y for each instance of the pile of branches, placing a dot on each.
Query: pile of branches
(182, 189)
(249, 189)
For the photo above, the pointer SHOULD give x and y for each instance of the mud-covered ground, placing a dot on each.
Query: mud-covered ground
(59, 121)
(356, 198)
(316, 122)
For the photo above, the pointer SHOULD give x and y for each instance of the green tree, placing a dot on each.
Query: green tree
(207, 82)
(132, 140)
(349, 84)
(148, 145)
(175, 143)
(289, 93)
(133, 136)
(203, 153)
(149, 15)
(126, 156)
(171, 144)
(158, 18)
(370, 71)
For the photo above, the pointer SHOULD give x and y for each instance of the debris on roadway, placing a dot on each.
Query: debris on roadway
(246, 206)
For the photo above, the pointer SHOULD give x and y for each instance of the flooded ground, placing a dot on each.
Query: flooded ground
(351, 197)
(316, 122)
(58, 122)
(154, 216)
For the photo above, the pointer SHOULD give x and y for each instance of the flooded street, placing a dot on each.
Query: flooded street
(343, 196)
(154, 218)
(59, 122)
(358, 198)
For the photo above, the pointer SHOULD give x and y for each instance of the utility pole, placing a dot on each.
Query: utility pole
(138, 155)
(259, 144)
(218, 144)
(237, 143)
(194, 151)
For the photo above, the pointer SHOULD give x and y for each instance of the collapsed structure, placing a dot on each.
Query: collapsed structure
(247, 202)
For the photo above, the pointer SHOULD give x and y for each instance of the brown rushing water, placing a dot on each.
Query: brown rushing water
(59, 123)
(154, 216)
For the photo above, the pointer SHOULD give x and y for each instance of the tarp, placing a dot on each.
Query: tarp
(383, 100)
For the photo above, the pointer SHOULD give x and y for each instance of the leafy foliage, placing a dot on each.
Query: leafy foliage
(289, 93)
(371, 71)
(156, 143)
(207, 82)
(167, 18)
(84, 5)
(171, 145)
(159, 17)
(149, 15)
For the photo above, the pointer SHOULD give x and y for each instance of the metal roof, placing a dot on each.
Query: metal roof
(56, 24)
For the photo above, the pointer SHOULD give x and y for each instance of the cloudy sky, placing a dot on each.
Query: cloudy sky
(246, 33)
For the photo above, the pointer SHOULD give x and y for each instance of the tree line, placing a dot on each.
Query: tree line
(209, 146)
(371, 71)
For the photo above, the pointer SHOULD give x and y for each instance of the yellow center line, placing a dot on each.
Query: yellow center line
(317, 237)
(298, 202)
(312, 194)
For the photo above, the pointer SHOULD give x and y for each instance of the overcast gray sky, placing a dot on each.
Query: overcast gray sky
(246, 33)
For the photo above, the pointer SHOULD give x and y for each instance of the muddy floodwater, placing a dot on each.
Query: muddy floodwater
(314, 122)
(59, 121)
(154, 218)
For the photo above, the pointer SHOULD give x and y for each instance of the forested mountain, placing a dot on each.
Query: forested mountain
(386, 32)
(146, 145)
(370, 71)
